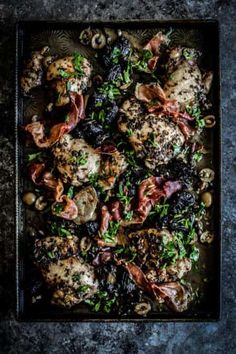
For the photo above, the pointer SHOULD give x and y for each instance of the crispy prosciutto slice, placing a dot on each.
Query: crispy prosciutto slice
(38, 131)
(174, 294)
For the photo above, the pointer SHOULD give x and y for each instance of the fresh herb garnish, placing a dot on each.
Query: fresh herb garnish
(197, 156)
(70, 192)
(177, 149)
(160, 209)
(123, 197)
(64, 74)
(128, 215)
(93, 179)
(130, 158)
(82, 289)
(58, 208)
(101, 302)
(82, 159)
(58, 230)
(195, 112)
(194, 255)
(36, 156)
(76, 277)
(51, 255)
(142, 64)
(116, 54)
(77, 62)
(110, 234)
(110, 90)
(152, 140)
(189, 54)
(127, 73)
(130, 132)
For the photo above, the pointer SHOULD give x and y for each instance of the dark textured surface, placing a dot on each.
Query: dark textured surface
(140, 338)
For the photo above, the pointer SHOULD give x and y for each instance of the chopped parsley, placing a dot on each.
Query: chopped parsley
(195, 112)
(110, 234)
(128, 215)
(189, 54)
(110, 90)
(64, 74)
(177, 149)
(116, 54)
(93, 179)
(152, 140)
(142, 64)
(197, 156)
(101, 301)
(160, 209)
(76, 277)
(82, 159)
(59, 231)
(127, 73)
(123, 197)
(70, 192)
(82, 289)
(58, 208)
(77, 62)
(38, 156)
(130, 132)
(51, 255)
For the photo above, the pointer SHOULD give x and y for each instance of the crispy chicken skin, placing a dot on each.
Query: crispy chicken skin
(52, 248)
(149, 245)
(63, 270)
(63, 76)
(185, 82)
(33, 71)
(75, 160)
(151, 137)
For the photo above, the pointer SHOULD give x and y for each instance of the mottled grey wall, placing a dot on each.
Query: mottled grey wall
(117, 338)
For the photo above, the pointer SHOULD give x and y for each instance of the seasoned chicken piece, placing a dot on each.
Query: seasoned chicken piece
(75, 160)
(69, 74)
(151, 245)
(186, 84)
(73, 279)
(52, 248)
(86, 201)
(153, 138)
(33, 71)
(112, 165)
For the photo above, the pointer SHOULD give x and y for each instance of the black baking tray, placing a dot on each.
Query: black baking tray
(33, 34)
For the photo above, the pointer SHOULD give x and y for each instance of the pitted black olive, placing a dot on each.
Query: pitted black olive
(119, 52)
(114, 73)
(91, 228)
(182, 200)
(111, 112)
(93, 132)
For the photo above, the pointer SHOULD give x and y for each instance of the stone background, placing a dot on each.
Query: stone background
(199, 338)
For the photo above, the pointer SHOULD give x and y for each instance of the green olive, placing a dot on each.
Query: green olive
(209, 121)
(98, 41)
(29, 198)
(207, 175)
(40, 203)
(207, 237)
(85, 244)
(86, 36)
(206, 198)
(142, 308)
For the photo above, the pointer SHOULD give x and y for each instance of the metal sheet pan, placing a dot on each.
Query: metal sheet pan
(63, 37)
